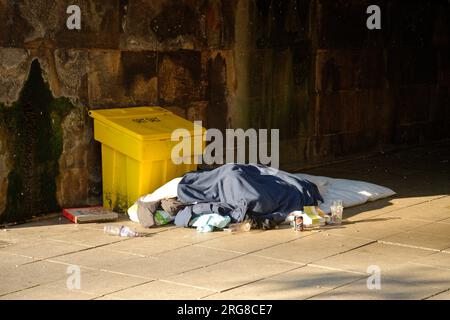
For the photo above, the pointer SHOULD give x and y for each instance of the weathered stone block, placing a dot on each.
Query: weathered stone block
(4, 12)
(444, 67)
(214, 24)
(345, 69)
(342, 24)
(333, 109)
(294, 152)
(180, 77)
(100, 25)
(14, 65)
(13, 27)
(411, 23)
(196, 111)
(119, 79)
(72, 188)
(406, 66)
(136, 33)
(5, 167)
(415, 103)
(79, 164)
(71, 66)
(277, 88)
(280, 23)
(441, 30)
(179, 111)
(216, 114)
(354, 111)
(338, 146)
(326, 147)
(359, 142)
(28, 22)
(162, 25)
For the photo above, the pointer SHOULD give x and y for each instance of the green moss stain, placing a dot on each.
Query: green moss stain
(34, 125)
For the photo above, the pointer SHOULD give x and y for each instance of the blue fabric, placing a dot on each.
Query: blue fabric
(235, 189)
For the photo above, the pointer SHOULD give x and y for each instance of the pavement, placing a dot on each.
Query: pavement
(396, 248)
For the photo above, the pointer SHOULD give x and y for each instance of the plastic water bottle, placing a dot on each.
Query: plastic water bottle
(121, 231)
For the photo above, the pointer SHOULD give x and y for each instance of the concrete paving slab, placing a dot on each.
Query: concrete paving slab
(419, 240)
(233, 273)
(387, 205)
(42, 249)
(160, 290)
(242, 243)
(100, 283)
(9, 285)
(173, 262)
(12, 260)
(390, 290)
(86, 237)
(442, 202)
(297, 284)
(375, 228)
(42, 228)
(96, 258)
(312, 248)
(31, 274)
(189, 235)
(282, 234)
(440, 229)
(147, 246)
(441, 296)
(125, 221)
(48, 292)
(109, 298)
(420, 275)
(423, 212)
(438, 260)
(377, 254)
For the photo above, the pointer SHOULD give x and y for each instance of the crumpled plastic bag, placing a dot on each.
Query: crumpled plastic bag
(208, 222)
(162, 217)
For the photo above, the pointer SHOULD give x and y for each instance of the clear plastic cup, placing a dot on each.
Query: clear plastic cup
(337, 210)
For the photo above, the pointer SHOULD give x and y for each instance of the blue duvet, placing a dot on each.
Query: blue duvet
(237, 189)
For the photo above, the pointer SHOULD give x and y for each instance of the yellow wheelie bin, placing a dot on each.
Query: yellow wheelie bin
(137, 151)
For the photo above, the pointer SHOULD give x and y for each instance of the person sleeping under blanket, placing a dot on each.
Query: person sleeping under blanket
(259, 194)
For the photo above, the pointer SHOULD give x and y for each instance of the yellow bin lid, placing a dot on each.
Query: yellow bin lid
(144, 123)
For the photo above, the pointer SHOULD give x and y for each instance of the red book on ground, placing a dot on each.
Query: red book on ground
(89, 214)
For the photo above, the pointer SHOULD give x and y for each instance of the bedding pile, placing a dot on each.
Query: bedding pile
(235, 190)
(261, 194)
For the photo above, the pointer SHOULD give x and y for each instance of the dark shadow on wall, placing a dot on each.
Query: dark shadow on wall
(34, 126)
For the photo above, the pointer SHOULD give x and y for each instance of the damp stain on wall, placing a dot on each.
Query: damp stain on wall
(33, 124)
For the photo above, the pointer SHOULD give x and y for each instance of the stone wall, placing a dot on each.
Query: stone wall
(308, 67)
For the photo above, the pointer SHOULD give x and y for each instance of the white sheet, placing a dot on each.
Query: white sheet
(351, 192)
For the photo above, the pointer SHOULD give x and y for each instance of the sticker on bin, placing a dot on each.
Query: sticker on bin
(147, 120)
